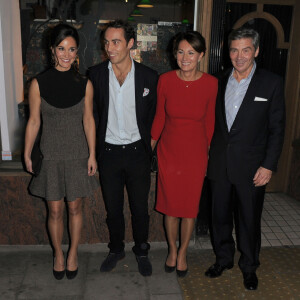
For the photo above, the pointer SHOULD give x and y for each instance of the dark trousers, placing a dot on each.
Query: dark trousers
(119, 166)
(247, 204)
(203, 217)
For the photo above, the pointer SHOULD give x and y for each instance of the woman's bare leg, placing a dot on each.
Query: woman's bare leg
(56, 228)
(171, 224)
(187, 227)
(75, 225)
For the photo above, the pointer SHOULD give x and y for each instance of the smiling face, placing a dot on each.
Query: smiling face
(242, 54)
(65, 54)
(116, 46)
(187, 57)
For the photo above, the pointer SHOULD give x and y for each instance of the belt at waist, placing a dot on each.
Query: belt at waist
(134, 145)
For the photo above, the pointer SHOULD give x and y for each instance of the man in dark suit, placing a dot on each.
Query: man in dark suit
(125, 103)
(244, 152)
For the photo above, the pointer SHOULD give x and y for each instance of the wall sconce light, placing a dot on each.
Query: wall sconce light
(145, 4)
(136, 13)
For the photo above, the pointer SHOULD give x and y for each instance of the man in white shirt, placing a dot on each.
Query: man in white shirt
(125, 103)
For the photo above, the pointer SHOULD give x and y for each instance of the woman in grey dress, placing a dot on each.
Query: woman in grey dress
(63, 100)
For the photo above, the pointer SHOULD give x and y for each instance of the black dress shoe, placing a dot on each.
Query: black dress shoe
(216, 270)
(144, 264)
(181, 273)
(111, 261)
(71, 274)
(250, 280)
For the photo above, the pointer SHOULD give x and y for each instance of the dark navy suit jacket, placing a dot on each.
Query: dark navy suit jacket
(256, 136)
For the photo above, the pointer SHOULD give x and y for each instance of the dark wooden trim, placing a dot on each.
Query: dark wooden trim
(292, 98)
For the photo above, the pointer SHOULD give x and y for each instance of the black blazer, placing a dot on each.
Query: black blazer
(145, 78)
(256, 136)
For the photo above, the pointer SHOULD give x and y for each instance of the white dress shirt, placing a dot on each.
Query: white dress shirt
(234, 95)
(122, 124)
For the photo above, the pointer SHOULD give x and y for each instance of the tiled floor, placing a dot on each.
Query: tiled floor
(280, 221)
(280, 225)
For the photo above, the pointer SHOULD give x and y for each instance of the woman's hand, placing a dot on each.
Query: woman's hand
(28, 164)
(92, 166)
(89, 128)
(153, 144)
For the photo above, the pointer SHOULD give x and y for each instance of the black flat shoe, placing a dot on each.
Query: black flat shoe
(169, 269)
(181, 273)
(71, 274)
(216, 270)
(144, 265)
(111, 260)
(250, 281)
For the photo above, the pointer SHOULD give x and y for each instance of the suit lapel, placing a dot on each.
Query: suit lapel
(139, 87)
(105, 88)
(223, 83)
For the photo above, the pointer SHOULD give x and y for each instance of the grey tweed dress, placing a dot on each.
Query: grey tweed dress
(64, 171)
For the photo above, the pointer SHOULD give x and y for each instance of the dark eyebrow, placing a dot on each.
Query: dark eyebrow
(187, 50)
(114, 40)
(242, 49)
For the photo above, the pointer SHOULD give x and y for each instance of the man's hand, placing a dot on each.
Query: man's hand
(262, 176)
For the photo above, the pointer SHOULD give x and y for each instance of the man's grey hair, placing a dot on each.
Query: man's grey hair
(244, 33)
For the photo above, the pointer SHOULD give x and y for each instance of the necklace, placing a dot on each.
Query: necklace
(188, 84)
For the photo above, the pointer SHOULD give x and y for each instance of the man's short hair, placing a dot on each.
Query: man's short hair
(244, 33)
(129, 32)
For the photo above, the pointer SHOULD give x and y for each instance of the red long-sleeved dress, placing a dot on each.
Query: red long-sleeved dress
(184, 122)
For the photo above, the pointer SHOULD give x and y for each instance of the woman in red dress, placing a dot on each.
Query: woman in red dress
(183, 124)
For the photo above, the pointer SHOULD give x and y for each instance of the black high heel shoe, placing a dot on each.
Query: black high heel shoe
(181, 273)
(71, 274)
(58, 275)
(169, 269)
